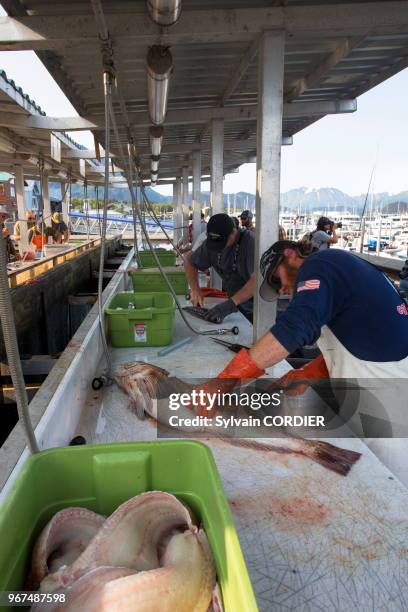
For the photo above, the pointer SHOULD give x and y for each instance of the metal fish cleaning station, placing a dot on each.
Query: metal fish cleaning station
(184, 92)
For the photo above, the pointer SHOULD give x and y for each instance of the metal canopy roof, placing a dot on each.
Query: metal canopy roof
(24, 146)
(334, 52)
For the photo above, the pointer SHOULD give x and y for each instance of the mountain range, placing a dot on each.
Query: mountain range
(303, 198)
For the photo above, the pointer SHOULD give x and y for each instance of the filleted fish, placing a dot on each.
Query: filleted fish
(149, 388)
(149, 555)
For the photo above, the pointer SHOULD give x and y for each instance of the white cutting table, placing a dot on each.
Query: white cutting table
(313, 540)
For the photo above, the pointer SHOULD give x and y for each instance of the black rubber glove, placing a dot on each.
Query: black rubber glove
(218, 313)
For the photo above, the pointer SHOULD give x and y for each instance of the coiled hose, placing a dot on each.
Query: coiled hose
(155, 217)
(135, 245)
(13, 355)
(107, 91)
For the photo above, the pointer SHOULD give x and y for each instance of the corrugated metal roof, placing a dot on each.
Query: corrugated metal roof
(17, 144)
(345, 51)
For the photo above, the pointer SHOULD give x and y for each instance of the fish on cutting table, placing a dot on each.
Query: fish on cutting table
(133, 537)
(62, 541)
(149, 388)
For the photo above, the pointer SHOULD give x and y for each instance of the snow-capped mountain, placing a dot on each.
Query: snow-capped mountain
(304, 198)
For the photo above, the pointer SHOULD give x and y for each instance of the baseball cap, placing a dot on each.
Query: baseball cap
(270, 260)
(219, 229)
(324, 221)
(246, 214)
(4, 211)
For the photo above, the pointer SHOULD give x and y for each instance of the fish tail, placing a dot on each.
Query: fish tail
(339, 460)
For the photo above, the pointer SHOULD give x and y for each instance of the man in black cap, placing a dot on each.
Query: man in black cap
(230, 251)
(246, 220)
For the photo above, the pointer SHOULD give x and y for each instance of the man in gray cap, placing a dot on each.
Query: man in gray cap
(230, 251)
(246, 220)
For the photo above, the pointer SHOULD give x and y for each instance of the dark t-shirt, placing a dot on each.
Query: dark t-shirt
(59, 228)
(355, 300)
(202, 258)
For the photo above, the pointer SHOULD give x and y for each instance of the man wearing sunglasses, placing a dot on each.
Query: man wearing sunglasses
(246, 220)
(230, 252)
(342, 302)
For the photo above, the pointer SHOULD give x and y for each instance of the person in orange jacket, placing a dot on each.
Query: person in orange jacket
(39, 235)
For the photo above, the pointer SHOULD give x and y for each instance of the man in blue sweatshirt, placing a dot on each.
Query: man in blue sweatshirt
(356, 316)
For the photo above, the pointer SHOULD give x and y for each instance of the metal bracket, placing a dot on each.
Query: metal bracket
(107, 56)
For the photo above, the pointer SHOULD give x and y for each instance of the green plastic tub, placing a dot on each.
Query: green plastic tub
(150, 323)
(100, 478)
(150, 279)
(166, 258)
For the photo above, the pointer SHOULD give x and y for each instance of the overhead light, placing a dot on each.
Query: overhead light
(159, 68)
(156, 139)
(164, 12)
(154, 164)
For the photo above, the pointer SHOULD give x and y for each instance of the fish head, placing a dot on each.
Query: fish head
(139, 369)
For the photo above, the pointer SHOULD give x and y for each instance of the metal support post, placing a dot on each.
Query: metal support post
(65, 202)
(217, 165)
(269, 140)
(19, 185)
(177, 214)
(46, 200)
(196, 194)
(217, 177)
(185, 204)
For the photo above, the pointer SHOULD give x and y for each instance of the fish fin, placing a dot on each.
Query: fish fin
(138, 409)
(216, 600)
(339, 460)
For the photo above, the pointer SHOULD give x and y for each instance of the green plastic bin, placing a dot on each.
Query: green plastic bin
(150, 279)
(100, 478)
(166, 258)
(150, 323)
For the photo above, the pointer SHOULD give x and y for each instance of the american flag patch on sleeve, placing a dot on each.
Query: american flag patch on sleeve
(309, 285)
(402, 309)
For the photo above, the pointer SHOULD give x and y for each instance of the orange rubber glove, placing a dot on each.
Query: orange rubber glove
(312, 372)
(210, 292)
(241, 367)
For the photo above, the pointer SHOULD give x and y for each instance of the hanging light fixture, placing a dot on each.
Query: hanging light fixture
(154, 163)
(159, 69)
(164, 12)
(156, 139)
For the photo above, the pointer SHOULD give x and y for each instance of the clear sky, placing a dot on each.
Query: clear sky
(337, 151)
